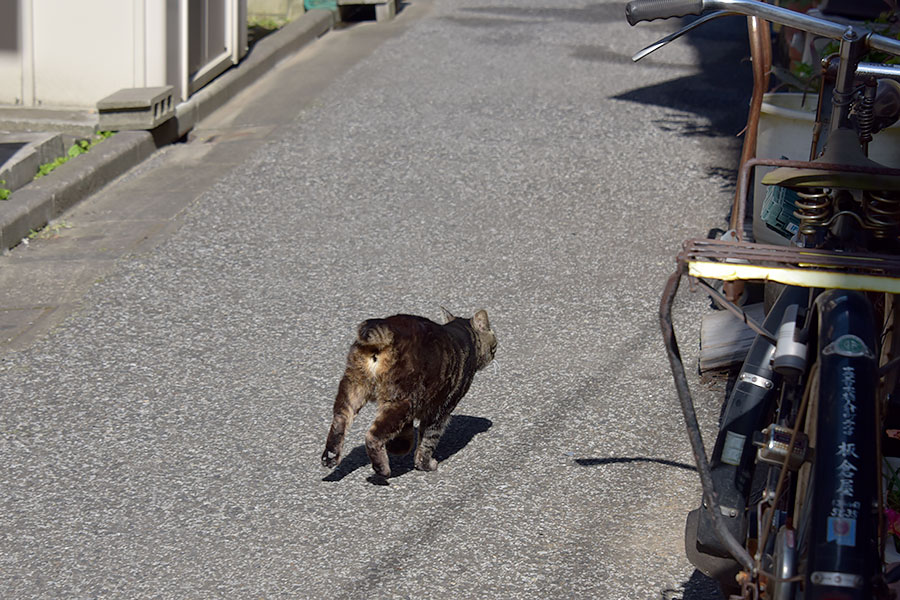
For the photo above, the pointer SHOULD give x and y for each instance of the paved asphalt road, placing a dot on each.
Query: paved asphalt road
(162, 439)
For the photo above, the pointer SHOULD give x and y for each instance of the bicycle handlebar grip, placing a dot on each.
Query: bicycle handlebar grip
(648, 10)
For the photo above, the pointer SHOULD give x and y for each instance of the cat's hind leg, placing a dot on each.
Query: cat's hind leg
(430, 436)
(403, 443)
(351, 397)
(392, 420)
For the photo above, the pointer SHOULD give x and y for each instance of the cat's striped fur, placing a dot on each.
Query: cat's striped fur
(416, 371)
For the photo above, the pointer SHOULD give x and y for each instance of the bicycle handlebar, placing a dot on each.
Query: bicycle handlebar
(648, 10)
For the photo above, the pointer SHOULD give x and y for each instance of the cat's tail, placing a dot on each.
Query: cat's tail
(375, 334)
(371, 353)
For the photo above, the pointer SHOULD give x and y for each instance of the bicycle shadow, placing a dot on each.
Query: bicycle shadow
(710, 103)
(460, 431)
(614, 460)
(698, 587)
(724, 80)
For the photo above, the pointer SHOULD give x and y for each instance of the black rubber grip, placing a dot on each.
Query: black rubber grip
(648, 10)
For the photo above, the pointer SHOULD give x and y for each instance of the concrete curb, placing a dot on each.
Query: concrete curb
(34, 150)
(34, 205)
(264, 55)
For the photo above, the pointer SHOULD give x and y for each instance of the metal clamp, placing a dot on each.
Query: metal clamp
(845, 580)
(757, 380)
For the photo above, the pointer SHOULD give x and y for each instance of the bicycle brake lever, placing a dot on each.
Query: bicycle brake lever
(674, 36)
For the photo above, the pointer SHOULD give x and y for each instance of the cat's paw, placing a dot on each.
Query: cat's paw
(382, 470)
(330, 459)
(429, 465)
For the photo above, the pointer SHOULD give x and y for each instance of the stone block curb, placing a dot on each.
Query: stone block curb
(34, 149)
(37, 203)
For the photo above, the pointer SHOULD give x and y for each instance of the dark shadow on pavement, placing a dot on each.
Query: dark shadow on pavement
(712, 103)
(596, 462)
(355, 459)
(590, 13)
(719, 92)
(352, 14)
(459, 433)
(698, 587)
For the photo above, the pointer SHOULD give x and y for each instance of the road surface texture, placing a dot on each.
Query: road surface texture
(161, 425)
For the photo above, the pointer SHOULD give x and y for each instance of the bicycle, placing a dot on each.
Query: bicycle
(793, 502)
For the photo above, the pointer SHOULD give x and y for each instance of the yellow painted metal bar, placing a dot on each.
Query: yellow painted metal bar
(798, 277)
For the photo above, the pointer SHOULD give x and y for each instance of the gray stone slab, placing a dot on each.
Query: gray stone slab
(136, 108)
(21, 153)
(79, 123)
(14, 321)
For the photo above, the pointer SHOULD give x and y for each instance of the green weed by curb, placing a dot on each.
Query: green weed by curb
(260, 27)
(78, 148)
(4, 192)
(269, 23)
(48, 231)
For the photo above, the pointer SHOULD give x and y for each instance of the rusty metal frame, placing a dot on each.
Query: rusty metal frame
(689, 414)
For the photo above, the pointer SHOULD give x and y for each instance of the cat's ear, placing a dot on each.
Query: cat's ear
(480, 321)
(446, 314)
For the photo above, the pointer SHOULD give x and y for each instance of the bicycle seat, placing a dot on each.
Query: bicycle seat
(843, 165)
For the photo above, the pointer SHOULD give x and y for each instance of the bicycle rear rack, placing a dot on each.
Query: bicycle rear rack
(805, 267)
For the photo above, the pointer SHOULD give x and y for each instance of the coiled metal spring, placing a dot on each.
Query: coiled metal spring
(813, 209)
(865, 114)
(881, 211)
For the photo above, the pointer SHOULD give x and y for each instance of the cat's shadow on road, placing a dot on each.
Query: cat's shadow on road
(460, 431)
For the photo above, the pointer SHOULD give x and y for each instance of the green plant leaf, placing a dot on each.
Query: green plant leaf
(79, 147)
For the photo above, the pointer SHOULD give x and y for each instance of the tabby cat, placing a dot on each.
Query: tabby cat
(416, 371)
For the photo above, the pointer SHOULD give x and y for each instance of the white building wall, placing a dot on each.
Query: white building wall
(72, 53)
(76, 65)
(10, 52)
